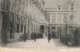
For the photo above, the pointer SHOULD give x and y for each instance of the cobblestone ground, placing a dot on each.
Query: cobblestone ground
(41, 45)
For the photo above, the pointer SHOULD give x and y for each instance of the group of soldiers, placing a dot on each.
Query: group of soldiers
(24, 36)
(51, 35)
(34, 35)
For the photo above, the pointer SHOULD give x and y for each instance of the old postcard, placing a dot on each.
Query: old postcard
(39, 25)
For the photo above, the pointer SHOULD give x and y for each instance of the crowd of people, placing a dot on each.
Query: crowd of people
(35, 36)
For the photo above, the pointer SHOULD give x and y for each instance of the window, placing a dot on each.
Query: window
(25, 28)
(11, 30)
(72, 6)
(18, 28)
(21, 28)
(53, 27)
(53, 20)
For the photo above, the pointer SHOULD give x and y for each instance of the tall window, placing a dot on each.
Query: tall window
(11, 30)
(18, 28)
(21, 28)
(25, 28)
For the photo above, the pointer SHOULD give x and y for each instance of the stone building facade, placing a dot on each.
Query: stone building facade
(67, 17)
(56, 19)
(21, 16)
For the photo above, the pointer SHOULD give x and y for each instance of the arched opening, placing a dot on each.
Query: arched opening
(42, 28)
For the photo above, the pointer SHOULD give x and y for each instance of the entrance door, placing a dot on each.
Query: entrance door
(42, 31)
(42, 28)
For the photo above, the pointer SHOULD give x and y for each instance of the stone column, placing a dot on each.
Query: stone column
(29, 29)
(0, 26)
(5, 21)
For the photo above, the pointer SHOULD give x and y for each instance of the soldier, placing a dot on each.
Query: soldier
(54, 35)
(24, 36)
(34, 36)
(76, 37)
(49, 37)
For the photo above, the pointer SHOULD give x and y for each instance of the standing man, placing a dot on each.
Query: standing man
(49, 37)
(76, 37)
(24, 36)
(54, 35)
(34, 34)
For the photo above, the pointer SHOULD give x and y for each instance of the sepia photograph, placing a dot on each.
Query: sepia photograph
(39, 25)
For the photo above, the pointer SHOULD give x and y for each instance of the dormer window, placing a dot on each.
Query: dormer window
(72, 6)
